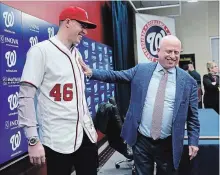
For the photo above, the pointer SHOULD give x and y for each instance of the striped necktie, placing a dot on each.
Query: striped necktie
(158, 107)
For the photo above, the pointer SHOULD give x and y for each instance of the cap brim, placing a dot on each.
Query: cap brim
(89, 24)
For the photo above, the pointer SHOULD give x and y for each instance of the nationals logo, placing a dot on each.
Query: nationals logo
(50, 31)
(33, 40)
(89, 101)
(9, 19)
(151, 35)
(11, 58)
(15, 141)
(13, 101)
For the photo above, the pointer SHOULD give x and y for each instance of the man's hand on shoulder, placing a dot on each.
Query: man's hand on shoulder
(86, 70)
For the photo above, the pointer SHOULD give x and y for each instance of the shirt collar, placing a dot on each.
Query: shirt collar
(60, 43)
(160, 68)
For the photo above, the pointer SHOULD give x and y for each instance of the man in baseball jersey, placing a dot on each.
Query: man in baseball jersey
(61, 129)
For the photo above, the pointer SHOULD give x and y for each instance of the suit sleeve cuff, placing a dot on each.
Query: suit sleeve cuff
(193, 143)
(94, 72)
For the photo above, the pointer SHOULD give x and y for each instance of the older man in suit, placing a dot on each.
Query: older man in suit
(163, 99)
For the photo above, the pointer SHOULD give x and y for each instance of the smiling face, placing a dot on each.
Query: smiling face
(169, 51)
(76, 30)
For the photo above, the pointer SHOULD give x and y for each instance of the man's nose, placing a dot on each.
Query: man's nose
(172, 55)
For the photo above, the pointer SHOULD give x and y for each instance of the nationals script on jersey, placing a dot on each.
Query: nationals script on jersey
(61, 107)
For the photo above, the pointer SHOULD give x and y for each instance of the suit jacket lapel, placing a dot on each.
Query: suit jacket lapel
(179, 91)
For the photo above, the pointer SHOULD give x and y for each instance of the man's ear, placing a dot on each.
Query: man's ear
(67, 22)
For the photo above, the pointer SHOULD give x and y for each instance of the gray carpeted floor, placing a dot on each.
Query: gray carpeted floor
(109, 167)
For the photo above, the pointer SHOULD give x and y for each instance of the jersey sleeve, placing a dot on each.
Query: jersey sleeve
(34, 67)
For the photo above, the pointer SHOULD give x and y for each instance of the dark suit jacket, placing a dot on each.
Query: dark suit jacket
(186, 104)
(196, 76)
(211, 96)
(109, 122)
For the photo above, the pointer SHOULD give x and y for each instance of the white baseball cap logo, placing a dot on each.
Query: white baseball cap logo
(86, 15)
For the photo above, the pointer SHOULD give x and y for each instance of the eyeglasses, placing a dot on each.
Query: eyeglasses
(83, 25)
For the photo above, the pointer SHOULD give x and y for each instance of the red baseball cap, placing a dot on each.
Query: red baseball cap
(78, 14)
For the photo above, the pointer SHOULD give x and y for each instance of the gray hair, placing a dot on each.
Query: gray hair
(210, 65)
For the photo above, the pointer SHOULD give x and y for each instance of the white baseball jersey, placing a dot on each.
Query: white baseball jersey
(62, 111)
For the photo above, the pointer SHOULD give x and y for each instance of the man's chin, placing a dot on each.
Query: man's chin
(78, 42)
(168, 66)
